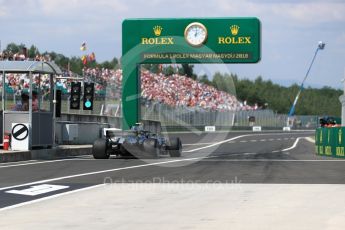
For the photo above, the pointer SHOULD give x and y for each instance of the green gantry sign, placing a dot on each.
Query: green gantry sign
(188, 40)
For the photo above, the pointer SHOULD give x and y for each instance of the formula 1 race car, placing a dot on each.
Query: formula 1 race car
(137, 142)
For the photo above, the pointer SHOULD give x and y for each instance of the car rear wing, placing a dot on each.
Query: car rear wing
(152, 126)
(148, 125)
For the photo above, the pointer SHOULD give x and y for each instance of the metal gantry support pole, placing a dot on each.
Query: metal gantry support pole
(52, 99)
(30, 111)
(320, 46)
(3, 103)
(342, 101)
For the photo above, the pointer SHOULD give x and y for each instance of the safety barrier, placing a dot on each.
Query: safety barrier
(330, 142)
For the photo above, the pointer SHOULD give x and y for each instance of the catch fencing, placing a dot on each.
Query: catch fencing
(182, 116)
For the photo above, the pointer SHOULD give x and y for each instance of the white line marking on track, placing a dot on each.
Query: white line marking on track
(278, 160)
(38, 189)
(81, 156)
(235, 138)
(243, 141)
(42, 162)
(263, 140)
(287, 149)
(294, 145)
(253, 140)
(50, 197)
(310, 139)
(17, 162)
(210, 143)
(105, 171)
(218, 143)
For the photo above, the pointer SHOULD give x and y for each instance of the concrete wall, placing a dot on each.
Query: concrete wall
(89, 127)
(114, 122)
(87, 132)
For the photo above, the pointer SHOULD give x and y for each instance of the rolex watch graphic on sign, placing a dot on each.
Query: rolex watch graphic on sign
(195, 34)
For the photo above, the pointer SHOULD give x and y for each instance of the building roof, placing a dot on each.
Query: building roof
(30, 66)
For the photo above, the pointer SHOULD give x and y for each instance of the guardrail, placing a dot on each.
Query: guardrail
(330, 141)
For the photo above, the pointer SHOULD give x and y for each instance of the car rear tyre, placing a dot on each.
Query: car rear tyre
(99, 149)
(175, 147)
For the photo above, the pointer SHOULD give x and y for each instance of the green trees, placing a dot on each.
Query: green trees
(312, 101)
(187, 69)
(33, 51)
(14, 48)
(266, 94)
(224, 83)
(204, 79)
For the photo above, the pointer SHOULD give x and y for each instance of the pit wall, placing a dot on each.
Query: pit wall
(330, 142)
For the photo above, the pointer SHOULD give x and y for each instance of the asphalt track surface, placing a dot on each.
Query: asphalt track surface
(239, 157)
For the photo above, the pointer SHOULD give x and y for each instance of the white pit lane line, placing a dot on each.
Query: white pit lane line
(271, 160)
(105, 171)
(41, 162)
(209, 143)
(17, 162)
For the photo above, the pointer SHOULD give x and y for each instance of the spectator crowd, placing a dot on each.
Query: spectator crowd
(178, 90)
(22, 56)
(174, 90)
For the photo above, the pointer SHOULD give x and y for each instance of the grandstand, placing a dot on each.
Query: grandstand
(174, 91)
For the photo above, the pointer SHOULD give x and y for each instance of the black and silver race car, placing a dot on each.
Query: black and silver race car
(137, 142)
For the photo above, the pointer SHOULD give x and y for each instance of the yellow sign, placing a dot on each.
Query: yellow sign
(321, 136)
(157, 41)
(233, 40)
(234, 29)
(328, 150)
(157, 31)
(340, 151)
(197, 56)
(339, 136)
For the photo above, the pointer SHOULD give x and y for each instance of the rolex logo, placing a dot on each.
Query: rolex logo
(234, 29)
(157, 30)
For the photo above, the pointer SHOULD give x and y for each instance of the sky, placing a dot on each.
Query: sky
(290, 32)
